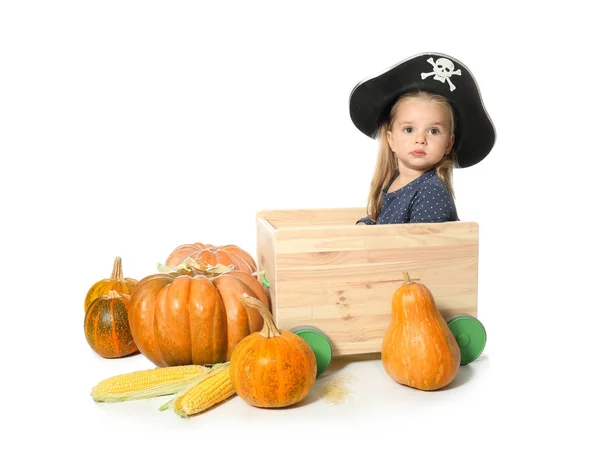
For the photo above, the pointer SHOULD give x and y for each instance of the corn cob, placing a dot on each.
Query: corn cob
(147, 383)
(211, 388)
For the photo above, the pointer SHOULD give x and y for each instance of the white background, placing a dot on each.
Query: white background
(130, 127)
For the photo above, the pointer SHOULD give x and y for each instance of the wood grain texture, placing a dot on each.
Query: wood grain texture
(327, 272)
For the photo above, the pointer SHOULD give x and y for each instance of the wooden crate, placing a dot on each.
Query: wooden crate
(327, 272)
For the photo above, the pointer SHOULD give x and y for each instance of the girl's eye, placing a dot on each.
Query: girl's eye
(408, 130)
(434, 131)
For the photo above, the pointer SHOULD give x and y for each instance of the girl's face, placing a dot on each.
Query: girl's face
(420, 134)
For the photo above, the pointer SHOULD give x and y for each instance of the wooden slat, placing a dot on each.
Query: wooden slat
(312, 217)
(318, 259)
(337, 238)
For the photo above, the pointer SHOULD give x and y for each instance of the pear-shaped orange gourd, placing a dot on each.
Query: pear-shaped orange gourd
(272, 368)
(418, 349)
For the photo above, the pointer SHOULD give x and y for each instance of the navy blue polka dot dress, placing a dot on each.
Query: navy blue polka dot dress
(424, 200)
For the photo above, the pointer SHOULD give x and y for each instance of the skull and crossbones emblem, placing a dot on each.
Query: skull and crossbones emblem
(443, 69)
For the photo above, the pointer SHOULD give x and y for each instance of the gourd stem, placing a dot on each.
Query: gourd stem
(407, 279)
(117, 272)
(112, 294)
(269, 328)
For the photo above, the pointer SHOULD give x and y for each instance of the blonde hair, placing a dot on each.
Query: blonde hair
(386, 165)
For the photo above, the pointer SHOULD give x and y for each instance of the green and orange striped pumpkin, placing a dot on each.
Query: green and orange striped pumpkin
(106, 326)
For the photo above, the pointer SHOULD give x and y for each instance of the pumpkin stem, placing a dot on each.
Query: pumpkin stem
(218, 268)
(408, 279)
(190, 264)
(269, 328)
(117, 272)
(112, 294)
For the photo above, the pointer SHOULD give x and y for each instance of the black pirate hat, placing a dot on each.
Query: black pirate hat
(371, 101)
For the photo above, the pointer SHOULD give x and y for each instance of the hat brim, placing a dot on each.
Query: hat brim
(372, 99)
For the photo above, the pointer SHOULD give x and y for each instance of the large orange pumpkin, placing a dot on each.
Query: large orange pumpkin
(418, 349)
(272, 368)
(185, 317)
(228, 255)
(106, 326)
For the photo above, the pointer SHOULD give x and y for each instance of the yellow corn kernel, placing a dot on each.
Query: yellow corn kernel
(213, 388)
(147, 383)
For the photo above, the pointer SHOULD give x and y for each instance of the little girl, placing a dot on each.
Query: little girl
(428, 117)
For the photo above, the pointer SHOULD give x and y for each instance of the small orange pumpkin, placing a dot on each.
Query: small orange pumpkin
(106, 326)
(418, 349)
(228, 255)
(115, 282)
(272, 368)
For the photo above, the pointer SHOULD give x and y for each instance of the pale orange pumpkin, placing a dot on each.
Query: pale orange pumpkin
(418, 349)
(272, 368)
(210, 255)
(192, 317)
